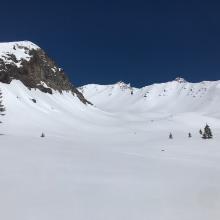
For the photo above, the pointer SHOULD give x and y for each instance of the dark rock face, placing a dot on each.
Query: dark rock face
(39, 72)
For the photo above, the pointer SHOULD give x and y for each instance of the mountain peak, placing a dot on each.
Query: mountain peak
(15, 46)
(180, 80)
(25, 61)
(123, 85)
(15, 53)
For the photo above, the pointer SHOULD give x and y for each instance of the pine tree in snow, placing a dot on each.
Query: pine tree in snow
(189, 135)
(42, 135)
(207, 134)
(170, 136)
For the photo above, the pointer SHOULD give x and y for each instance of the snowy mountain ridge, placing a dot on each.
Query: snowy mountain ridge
(174, 96)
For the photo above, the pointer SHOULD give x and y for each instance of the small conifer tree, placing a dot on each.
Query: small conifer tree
(170, 136)
(189, 135)
(200, 131)
(42, 135)
(207, 134)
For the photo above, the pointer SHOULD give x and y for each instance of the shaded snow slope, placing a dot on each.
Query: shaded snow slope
(37, 112)
(111, 163)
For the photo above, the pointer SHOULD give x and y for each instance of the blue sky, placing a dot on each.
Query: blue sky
(103, 42)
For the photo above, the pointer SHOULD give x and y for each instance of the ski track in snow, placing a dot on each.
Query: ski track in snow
(113, 161)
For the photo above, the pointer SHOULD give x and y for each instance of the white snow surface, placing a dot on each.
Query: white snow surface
(19, 49)
(113, 160)
(172, 97)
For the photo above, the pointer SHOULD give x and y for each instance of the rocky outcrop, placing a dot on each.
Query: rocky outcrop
(180, 80)
(28, 63)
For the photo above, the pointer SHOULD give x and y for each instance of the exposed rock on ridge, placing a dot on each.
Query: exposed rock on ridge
(28, 63)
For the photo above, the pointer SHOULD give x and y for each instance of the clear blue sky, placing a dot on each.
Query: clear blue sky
(135, 41)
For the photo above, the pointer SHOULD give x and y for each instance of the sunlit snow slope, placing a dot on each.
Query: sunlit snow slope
(113, 160)
(172, 97)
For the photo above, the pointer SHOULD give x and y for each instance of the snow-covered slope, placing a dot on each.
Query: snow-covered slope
(111, 161)
(172, 97)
